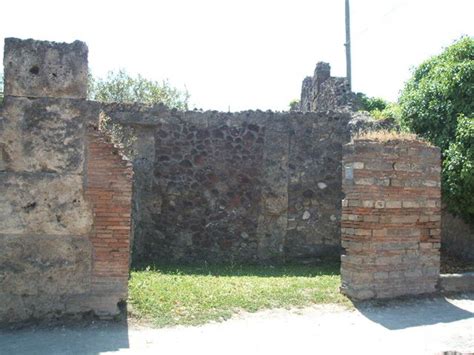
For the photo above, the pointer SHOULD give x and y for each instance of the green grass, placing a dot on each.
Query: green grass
(169, 295)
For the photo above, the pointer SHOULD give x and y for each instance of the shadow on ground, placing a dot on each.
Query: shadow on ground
(291, 270)
(91, 337)
(414, 312)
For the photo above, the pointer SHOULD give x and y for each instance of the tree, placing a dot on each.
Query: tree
(371, 103)
(294, 105)
(437, 103)
(379, 108)
(439, 91)
(122, 87)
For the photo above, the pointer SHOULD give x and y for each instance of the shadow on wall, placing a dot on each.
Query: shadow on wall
(400, 314)
(95, 338)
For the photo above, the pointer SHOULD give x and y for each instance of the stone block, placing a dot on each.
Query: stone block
(45, 264)
(44, 135)
(43, 204)
(364, 181)
(457, 282)
(45, 69)
(394, 204)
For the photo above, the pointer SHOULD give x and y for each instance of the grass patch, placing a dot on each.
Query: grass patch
(167, 295)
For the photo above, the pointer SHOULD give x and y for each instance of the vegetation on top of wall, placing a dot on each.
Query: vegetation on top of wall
(294, 105)
(386, 135)
(119, 86)
(379, 108)
(369, 104)
(124, 88)
(437, 103)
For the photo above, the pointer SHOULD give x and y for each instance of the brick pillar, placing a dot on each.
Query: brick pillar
(391, 216)
(109, 190)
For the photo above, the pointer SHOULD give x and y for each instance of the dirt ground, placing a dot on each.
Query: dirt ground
(429, 325)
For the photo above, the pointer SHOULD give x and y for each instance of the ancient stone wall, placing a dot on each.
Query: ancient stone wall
(322, 92)
(244, 187)
(50, 255)
(457, 237)
(391, 218)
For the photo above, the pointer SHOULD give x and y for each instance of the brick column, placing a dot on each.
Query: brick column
(391, 218)
(109, 190)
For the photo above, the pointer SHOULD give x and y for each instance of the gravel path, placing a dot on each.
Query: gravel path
(424, 326)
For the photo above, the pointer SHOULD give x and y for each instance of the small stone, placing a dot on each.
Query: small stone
(306, 215)
(332, 218)
(244, 235)
(322, 185)
(379, 204)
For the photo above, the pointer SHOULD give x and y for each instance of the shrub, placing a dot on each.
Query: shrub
(439, 91)
(458, 171)
(371, 103)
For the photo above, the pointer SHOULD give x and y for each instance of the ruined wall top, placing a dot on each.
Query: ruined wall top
(323, 92)
(45, 69)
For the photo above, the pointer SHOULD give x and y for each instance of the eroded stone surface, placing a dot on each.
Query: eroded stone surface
(44, 204)
(45, 264)
(322, 92)
(44, 135)
(45, 69)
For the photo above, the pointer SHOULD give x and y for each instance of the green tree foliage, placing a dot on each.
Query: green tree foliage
(294, 105)
(379, 108)
(437, 103)
(439, 91)
(122, 87)
(458, 170)
(369, 104)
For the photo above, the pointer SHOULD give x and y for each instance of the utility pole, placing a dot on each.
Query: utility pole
(348, 46)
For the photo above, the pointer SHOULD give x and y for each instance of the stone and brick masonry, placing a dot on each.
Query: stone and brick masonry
(65, 191)
(208, 186)
(390, 218)
(234, 187)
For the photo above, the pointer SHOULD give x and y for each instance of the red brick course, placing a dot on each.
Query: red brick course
(109, 191)
(390, 225)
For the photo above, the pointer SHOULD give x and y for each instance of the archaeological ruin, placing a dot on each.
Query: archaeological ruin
(77, 208)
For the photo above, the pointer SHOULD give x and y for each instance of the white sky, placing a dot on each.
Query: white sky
(247, 54)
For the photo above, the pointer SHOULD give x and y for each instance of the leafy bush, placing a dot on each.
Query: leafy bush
(458, 170)
(370, 104)
(391, 111)
(437, 104)
(439, 91)
(379, 108)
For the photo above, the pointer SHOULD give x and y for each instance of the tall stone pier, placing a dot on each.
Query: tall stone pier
(65, 191)
(391, 217)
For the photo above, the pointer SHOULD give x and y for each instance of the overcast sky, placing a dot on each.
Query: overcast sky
(247, 54)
